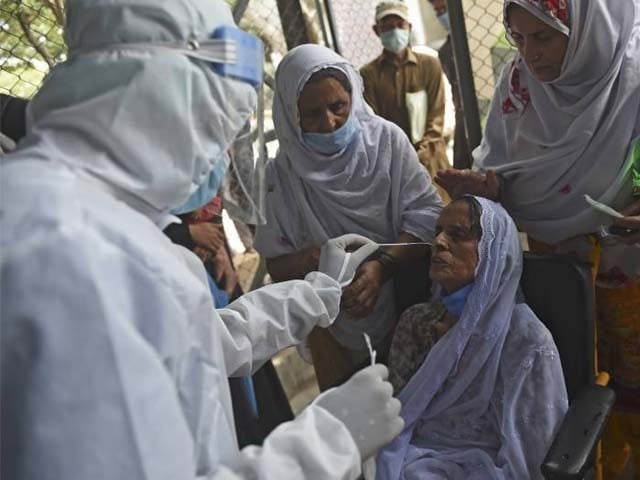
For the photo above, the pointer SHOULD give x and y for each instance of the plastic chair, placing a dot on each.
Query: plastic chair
(559, 289)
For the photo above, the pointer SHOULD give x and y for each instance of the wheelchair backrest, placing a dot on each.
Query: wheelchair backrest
(559, 289)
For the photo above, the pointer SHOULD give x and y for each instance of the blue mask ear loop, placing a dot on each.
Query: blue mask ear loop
(456, 301)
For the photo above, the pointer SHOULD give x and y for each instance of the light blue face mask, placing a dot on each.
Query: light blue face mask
(443, 18)
(334, 142)
(395, 40)
(207, 190)
(455, 302)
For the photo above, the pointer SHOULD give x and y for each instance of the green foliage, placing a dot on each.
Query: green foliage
(30, 43)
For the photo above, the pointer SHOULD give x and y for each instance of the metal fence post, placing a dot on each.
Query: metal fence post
(332, 27)
(466, 82)
(293, 23)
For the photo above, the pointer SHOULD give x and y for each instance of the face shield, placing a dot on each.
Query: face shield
(238, 172)
(228, 52)
(243, 190)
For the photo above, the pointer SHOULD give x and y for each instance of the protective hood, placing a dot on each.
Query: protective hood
(148, 123)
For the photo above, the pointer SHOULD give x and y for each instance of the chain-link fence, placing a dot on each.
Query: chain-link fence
(352, 22)
(488, 46)
(31, 37)
(30, 43)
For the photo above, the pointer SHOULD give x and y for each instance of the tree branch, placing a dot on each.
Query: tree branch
(57, 9)
(24, 21)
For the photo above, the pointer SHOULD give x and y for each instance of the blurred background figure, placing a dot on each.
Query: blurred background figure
(406, 87)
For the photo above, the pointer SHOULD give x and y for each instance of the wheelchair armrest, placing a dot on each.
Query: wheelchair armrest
(571, 452)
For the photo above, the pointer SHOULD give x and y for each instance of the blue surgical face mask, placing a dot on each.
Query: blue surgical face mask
(334, 142)
(208, 189)
(455, 302)
(443, 18)
(395, 40)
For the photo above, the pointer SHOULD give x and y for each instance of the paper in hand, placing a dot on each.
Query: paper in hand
(601, 207)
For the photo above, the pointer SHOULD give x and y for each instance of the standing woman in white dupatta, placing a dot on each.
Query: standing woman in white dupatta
(478, 375)
(565, 122)
(341, 169)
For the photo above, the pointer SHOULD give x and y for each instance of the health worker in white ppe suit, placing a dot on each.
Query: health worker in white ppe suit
(114, 361)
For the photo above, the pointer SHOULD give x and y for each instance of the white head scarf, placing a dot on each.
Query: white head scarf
(146, 124)
(375, 187)
(556, 141)
(478, 366)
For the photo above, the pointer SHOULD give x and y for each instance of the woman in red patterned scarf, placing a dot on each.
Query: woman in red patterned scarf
(564, 123)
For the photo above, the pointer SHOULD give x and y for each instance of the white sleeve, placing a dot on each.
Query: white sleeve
(88, 390)
(263, 322)
(314, 445)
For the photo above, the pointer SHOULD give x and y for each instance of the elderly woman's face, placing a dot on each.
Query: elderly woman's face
(541, 46)
(324, 106)
(455, 249)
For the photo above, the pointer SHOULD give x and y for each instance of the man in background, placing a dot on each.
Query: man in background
(406, 87)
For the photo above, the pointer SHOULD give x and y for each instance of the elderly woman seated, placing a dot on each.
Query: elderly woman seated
(341, 169)
(478, 374)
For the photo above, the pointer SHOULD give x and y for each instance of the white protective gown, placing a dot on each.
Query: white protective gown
(114, 361)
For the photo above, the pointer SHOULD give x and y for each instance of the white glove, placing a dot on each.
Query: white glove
(341, 265)
(366, 406)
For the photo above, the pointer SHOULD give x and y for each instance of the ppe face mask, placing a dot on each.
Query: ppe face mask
(444, 21)
(334, 142)
(455, 302)
(395, 40)
(208, 189)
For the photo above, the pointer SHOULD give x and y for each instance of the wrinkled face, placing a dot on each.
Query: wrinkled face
(541, 46)
(324, 106)
(389, 23)
(455, 249)
(440, 6)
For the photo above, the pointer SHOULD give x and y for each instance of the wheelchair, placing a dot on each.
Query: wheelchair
(559, 289)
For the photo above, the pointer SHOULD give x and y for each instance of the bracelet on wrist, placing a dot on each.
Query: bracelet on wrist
(389, 263)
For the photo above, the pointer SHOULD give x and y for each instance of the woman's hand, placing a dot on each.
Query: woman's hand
(225, 273)
(207, 235)
(310, 259)
(292, 266)
(631, 220)
(467, 182)
(359, 299)
(204, 254)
